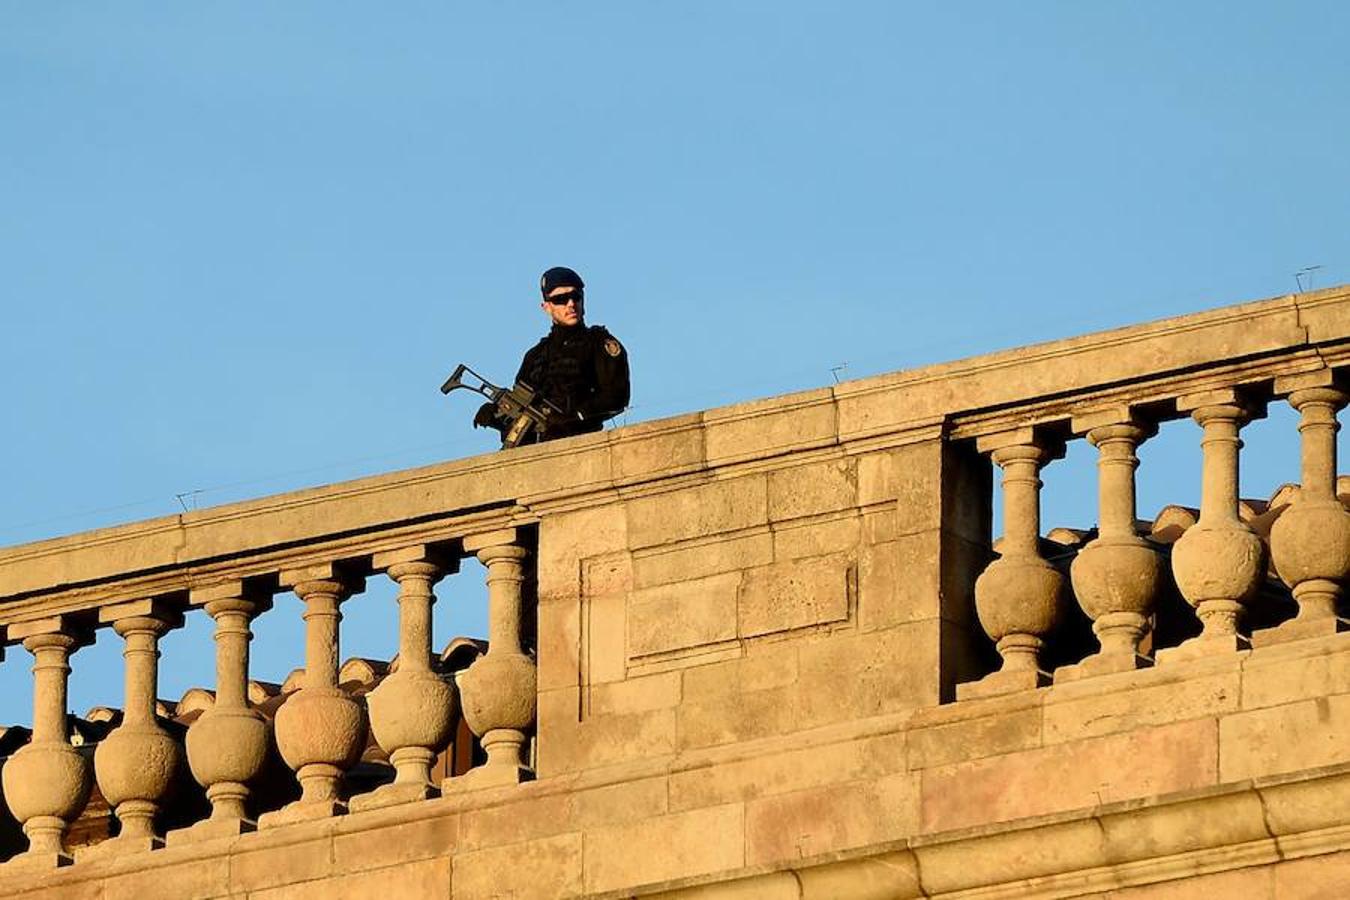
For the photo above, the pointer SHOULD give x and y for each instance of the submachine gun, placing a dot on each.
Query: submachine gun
(525, 413)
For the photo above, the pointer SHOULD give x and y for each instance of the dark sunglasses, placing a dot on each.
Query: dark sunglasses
(562, 299)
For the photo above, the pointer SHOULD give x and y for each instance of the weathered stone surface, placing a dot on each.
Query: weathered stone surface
(750, 429)
(828, 819)
(684, 615)
(812, 489)
(1071, 776)
(897, 582)
(567, 538)
(698, 511)
(817, 536)
(395, 843)
(1263, 742)
(666, 847)
(977, 738)
(1137, 701)
(885, 671)
(787, 595)
(677, 563)
(568, 742)
(547, 869)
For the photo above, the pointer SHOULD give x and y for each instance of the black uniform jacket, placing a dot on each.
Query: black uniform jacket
(581, 369)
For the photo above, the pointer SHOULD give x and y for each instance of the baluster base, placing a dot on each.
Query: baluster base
(1299, 629)
(1102, 664)
(1005, 681)
(35, 861)
(302, 811)
(392, 795)
(46, 835)
(1202, 646)
(208, 829)
(125, 843)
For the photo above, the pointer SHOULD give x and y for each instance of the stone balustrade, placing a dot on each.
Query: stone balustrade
(320, 728)
(713, 634)
(1218, 564)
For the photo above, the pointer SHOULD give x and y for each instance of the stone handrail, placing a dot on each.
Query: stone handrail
(700, 477)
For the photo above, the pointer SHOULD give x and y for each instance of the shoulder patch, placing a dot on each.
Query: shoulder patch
(613, 347)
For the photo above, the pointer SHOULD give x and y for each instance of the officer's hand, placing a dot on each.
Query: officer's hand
(486, 417)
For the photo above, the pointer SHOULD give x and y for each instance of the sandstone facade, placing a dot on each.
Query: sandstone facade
(769, 650)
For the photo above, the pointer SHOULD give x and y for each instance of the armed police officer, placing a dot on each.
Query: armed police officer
(581, 370)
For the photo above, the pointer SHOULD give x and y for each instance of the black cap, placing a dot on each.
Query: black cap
(559, 276)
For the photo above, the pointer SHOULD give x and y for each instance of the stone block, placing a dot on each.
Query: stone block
(614, 804)
(394, 843)
(609, 573)
(1271, 677)
(547, 869)
(1295, 803)
(821, 536)
(1064, 777)
(528, 819)
(565, 538)
(1285, 738)
(279, 863)
(638, 694)
(1315, 878)
(812, 489)
(645, 449)
(569, 744)
(1250, 883)
(976, 738)
(884, 671)
(1127, 701)
(898, 581)
(425, 880)
(196, 877)
(1214, 818)
(52, 887)
(604, 645)
(763, 427)
(697, 559)
(1006, 857)
(683, 615)
(698, 511)
(681, 845)
(880, 524)
(725, 718)
(795, 594)
(911, 477)
(830, 819)
(764, 666)
(559, 642)
(768, 774)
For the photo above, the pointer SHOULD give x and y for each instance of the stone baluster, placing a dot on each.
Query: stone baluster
(1310, 541)
(227, 744)
(47, 781)
(499, 690)
(320, 730)
(136, 763)
(1117, 576)
(1218, 562)
(1018, 596)
(413, 709)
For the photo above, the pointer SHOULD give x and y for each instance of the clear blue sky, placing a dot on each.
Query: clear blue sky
(242, 244)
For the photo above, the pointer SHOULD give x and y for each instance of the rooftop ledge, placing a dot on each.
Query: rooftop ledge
(986, 394)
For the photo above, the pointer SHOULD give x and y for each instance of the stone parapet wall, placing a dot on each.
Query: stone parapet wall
(1150, 784)
(754, 649)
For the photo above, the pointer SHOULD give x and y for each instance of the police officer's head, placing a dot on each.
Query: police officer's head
(564, 296)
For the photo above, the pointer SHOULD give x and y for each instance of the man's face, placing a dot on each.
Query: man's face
(565, 306)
